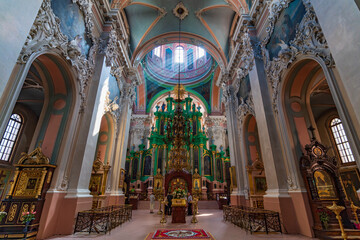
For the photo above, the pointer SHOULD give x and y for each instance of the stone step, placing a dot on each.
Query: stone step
(336, 234)
(211, 204)
(143, 205)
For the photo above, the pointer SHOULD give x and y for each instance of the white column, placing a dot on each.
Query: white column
(235, 155)
(121, 145)
(85, 139)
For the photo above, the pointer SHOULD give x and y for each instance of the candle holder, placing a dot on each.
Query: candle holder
(163, 218)
(337, 210)
(195, 202)
(354, 209)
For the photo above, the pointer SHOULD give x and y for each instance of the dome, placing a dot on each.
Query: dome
(164, 62)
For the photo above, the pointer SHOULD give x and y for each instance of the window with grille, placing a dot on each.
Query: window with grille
(10, 136)
(341, 141)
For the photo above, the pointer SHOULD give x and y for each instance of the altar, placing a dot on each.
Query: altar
(178, 211)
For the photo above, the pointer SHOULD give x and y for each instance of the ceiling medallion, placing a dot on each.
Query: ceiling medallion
(180, 11)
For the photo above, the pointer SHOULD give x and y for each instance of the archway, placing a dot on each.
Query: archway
(309, 101)
(254, 166)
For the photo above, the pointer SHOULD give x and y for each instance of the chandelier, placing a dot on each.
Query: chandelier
(178, 128)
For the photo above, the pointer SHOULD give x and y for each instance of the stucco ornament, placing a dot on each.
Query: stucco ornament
(244, 109)
(45, 34)
(309, 40)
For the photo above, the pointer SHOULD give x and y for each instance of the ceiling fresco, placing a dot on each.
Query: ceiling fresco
(208, 24)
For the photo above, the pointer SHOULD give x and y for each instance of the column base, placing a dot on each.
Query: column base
(115, 199)
(54, 213)
(237, 200)
(291, 218)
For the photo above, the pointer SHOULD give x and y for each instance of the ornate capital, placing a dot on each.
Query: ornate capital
(228, 97)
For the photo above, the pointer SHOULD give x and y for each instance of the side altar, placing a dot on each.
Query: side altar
(27, 193)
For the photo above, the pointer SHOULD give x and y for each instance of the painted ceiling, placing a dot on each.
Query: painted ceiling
(210, 19)
(208, 23)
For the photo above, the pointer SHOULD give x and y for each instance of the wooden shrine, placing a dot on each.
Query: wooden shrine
(257, 183)
(322, 179)
(27, 193)
(98, 181)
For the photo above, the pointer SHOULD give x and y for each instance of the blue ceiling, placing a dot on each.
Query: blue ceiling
(219, 19)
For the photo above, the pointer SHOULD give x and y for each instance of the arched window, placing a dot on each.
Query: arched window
(10, 136)
(168, 60)
(341, 141)
(157, 51)
(201, 52)
(179, 54)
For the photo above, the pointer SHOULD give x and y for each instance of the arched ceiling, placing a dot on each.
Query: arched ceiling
(208, 19)
(209, 24)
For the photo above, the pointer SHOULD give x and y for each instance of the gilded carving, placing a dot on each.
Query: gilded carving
(24, 209)
(48, 180)
(12, 212)
(3, 207)
(30, 183)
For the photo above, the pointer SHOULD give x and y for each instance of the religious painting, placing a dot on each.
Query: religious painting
(158, 183)
(160, 158)
(324, 185)
(260, 185)
(196, 158)
(285, 27)
(72, 24)
(350, 182)
(177, 183)
(29, 183)
(196, 184)
(122, 178)
(218, 169)
(207, 165)
(135, 163)
(204, 91)
(147, 165)
(95, 184)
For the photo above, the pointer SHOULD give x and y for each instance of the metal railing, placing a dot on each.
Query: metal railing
(102, 220)
(252, 219)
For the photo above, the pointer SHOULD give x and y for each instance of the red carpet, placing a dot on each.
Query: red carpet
(180, 234)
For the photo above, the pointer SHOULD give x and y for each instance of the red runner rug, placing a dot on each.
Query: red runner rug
(193, 234)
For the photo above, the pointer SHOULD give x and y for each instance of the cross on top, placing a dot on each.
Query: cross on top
(312, 130)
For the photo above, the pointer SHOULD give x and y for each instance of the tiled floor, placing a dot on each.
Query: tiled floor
(210, 220)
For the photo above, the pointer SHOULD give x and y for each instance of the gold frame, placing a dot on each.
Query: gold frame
(122, 178)
(21, 188)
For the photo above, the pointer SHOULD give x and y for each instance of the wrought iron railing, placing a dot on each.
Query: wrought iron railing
(102, 220)
(252, 219)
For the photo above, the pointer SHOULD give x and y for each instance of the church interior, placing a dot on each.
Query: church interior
(228, 119)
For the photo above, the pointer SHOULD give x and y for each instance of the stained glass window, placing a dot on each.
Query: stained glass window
(341, 141)
(10, 136)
